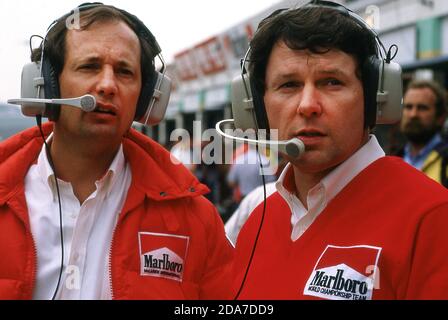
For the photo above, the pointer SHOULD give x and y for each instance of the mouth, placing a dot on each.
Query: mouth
(106, 109)
(310, 133)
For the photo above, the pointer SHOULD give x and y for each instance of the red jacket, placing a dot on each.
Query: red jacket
(169, 242)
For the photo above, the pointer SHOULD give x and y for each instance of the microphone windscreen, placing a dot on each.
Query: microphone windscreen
(88, 103)
(295, 148)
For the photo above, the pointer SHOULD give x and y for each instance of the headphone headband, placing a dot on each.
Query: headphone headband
(143, 30)
(351, 14)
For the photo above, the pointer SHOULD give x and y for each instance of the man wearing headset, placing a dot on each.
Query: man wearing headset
(345, 222)
(134, 225)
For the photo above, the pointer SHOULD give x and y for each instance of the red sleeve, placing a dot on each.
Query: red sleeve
(216, 281)
(429, 270)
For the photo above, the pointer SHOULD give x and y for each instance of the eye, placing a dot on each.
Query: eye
(89, 66)
(423, 107)
(289, 84)
(332, 82)
(125, 71)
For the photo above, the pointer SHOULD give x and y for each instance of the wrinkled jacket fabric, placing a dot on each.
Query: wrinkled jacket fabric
(164, 199)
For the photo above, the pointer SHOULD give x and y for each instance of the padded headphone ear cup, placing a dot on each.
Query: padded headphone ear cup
(146, 93)
(158, 101)
(383, 92)
(390, 99)
(370, 79)
(30, 82)
(51, 90)
(242, 104)
(247, 106)
(259, 107)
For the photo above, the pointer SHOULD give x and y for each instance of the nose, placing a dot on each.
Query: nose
(411, 111)
(309, 105)
(106, 86)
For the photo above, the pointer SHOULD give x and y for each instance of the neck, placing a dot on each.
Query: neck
(416, 148)
(304, 182)
(81, 163)
(417, 145)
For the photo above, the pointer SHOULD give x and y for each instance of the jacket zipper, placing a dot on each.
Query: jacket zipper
(34, 275)
(110, 258)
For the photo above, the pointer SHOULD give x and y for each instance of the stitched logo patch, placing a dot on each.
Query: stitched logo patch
(162, 255)
(345, 273)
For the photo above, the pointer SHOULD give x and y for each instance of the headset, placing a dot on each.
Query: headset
(40, 86)
(382, 82)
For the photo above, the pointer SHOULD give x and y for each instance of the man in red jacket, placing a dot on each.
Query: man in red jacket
(102, 212)
(346, 222)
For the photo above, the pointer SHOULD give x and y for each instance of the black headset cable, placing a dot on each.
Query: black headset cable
(61, 232)
(259, 228)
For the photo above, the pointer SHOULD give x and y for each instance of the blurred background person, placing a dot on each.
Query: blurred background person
(424, 113)
(244, 175)
(237, 219)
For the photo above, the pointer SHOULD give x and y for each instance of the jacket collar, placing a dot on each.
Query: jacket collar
(153, 172)
(17, 154)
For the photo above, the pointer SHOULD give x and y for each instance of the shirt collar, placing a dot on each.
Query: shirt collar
(418, 160)
(44, 168)
(337, 179)
(116, 168)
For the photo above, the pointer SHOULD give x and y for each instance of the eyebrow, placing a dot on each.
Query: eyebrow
(95, 59)
(336, 72)
(326, 72)
(418, 105)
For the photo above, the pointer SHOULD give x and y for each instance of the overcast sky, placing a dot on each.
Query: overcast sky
(177, 24)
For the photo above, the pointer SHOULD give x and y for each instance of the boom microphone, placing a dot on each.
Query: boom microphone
(34, 106)
(293, 147)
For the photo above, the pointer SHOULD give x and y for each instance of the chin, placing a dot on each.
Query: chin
(99, 131)
(314, 162)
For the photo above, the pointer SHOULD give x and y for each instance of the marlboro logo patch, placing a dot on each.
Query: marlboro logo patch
(344, 273)
(162, 255)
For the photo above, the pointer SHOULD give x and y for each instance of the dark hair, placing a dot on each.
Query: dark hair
(55, 44)
(317, 29)
(438, 91)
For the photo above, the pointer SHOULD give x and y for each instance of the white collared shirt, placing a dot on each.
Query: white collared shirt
(320, 195)
(88, 230)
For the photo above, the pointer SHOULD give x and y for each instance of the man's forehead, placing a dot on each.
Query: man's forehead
(115, 36)
(330, 62)
(318, 68)
(420, 94)
(104, 28)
